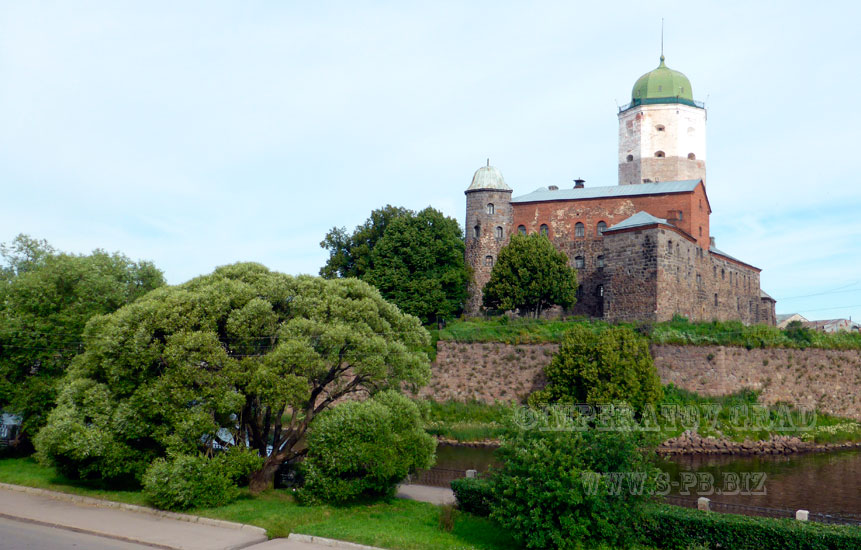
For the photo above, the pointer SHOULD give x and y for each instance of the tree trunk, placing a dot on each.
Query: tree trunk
(264, 478)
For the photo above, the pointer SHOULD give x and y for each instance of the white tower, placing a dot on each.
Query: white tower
(662, 132)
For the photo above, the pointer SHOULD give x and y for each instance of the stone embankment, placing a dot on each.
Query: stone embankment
(692, 443)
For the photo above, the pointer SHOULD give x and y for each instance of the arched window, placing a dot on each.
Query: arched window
(722, 274)
(488, 261)
(544, 229)
(579, 262)
(660, 128)
(521, 229)
(600, 291)
(660, 154)
(602, 226)
(715, 270)
(692, 156)
(599, 262)
(490, 208)
(630, 158)
(716, 302)
(476, 231)
(499, 232)
(670, 248)
(579, 229)
(701, 231)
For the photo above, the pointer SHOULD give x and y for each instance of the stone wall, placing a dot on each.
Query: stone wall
(830, 380)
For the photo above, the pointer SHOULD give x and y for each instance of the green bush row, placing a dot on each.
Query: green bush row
(678, 331)
(473, 495)
(672, 528)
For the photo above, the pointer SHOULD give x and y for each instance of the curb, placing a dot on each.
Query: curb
(331, 543)
(99, 503)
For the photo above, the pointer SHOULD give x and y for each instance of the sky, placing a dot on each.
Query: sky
(197, 134)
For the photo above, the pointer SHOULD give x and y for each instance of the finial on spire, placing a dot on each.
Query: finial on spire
(488, 162)
(662, 38)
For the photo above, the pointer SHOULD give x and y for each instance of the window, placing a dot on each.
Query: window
(544, 230)
(600, 291)
(498, 232)
(699, 280)
(680, 215)
(579, 229)
(701, 204)
(715, 270)
(476, 231)
(716, 303)
(660, 154)
(579, 291)
(692, 156)
(630, 158)
(521, 229)
(701, 231)
(599, 262)
(670, 248)
(579, 262)
(490, 208)
(488, 261)
(660, 128)
(602, 226)
(722, 273)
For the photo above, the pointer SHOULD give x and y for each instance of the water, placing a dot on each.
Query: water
(827, 483)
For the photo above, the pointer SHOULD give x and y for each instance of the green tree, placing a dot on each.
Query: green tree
(418, 264)
(46, 300)
(530, 275)
(599, 367)
(365, 449)
(350, 255)
(241, 357)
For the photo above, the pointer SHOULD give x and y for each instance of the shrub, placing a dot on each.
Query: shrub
(188, 481)
(556, 489)
(473, 495)
(365, 449)
(674, 528)
(611, 366)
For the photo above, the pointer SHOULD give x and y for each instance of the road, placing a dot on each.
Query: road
(21, 535)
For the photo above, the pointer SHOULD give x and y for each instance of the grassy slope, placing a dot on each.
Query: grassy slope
(397, 524)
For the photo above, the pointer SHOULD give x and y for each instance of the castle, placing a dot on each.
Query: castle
(642, 248)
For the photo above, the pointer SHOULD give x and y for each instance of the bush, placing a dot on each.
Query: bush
(365, 449)
(473, 495)
(188, 481)
(556, 489)
(674, 528)
(602, 367)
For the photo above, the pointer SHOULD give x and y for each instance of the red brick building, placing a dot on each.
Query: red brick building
(642, 248)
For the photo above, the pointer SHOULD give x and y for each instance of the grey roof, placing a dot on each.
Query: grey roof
(764, 294)
(661, 188)
(488, 177)
(781, 317)
(638, 220)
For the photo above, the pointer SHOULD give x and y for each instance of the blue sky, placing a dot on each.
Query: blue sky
(196, 134)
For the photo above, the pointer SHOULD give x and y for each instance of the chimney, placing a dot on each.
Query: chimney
(578, 183)
(712, 242)
(553, 187)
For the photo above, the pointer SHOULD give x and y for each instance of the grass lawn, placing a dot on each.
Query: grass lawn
(397, 524)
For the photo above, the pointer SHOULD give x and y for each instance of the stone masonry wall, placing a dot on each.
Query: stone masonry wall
(830, 380)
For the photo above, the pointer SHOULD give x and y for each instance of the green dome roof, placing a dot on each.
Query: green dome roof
(662, 85)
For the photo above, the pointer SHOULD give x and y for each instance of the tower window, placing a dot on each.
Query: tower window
(490, 208)
(716, 302)
(660, 128)
(476, 231)
(629, 158)
(602, 226)
(521, 229)
(600, 291)
(692, 156)
(579, 262)
(599, 262)
(488, 261)
(544, 230)
(670, 248)
(659, 154)
(722, 274)
(701, 231)
(579, 229)
(715, 271)
(699, 281)
(498, 232)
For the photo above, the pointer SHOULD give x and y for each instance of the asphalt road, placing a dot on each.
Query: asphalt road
(21, 535)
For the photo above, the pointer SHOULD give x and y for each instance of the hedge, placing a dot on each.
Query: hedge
(473, 495)
(672, 528)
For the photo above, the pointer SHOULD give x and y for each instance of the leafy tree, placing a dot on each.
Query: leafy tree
(530, 275)
(365, 449)
(598, 367)
(46, 300)
(242, 357)
(418, 264)
(350, 255)
(564, 489)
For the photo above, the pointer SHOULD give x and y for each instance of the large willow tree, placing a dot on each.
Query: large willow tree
(242, 357)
